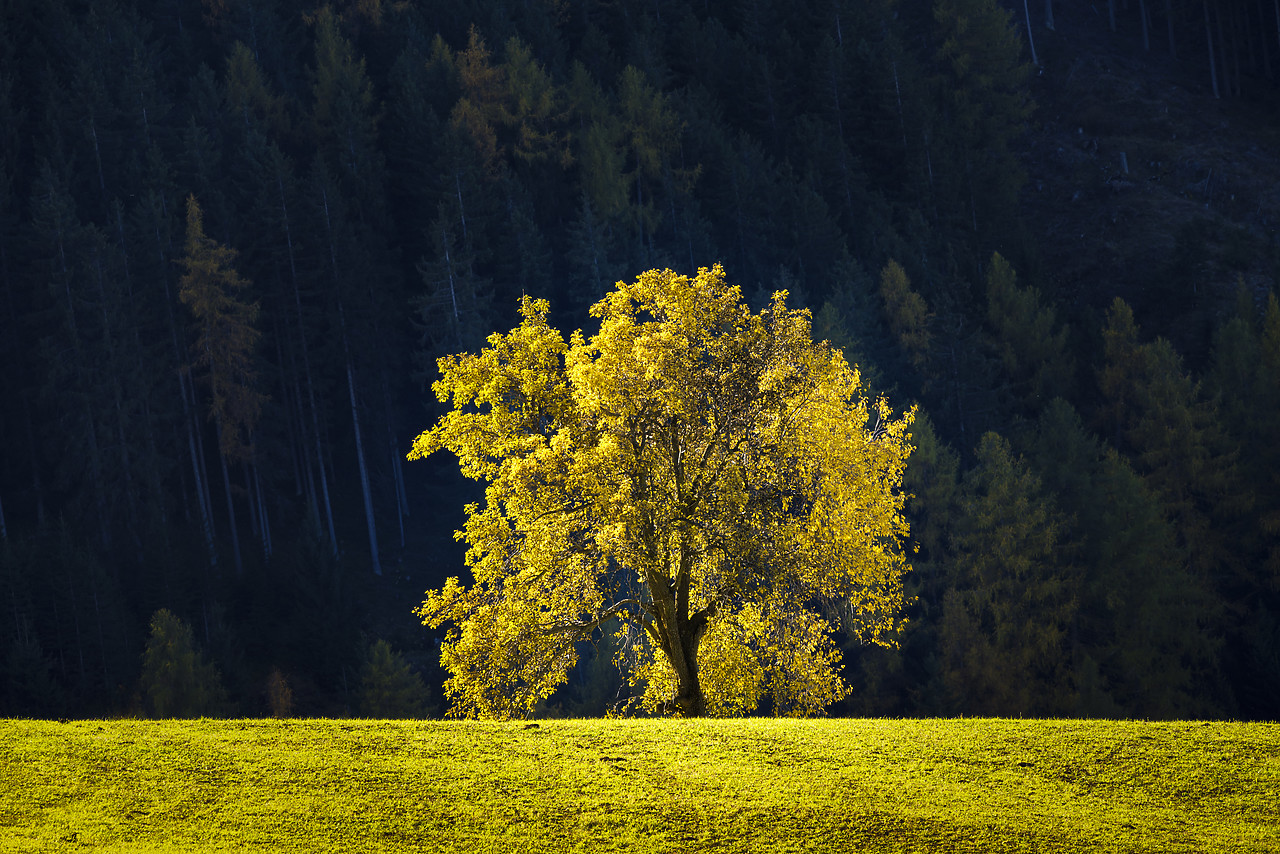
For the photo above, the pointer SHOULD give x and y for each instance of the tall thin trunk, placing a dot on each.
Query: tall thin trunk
(306, 366)
(194, 445)
(1111, 13)
(453, 288)
(231, 508)
(1223, 59)
(397, 471)
(364, 471)
(1213, 63)
(251, 498)
(293, 416)
(1048, 15)
(264, 522)
(95, 459)
(201, 479)
(351, 389)
(1031, 39)
(117, 391)
(308, 477)
(1146, 33)
(844, 148)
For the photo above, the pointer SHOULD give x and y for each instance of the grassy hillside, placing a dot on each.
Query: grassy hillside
(740, 785)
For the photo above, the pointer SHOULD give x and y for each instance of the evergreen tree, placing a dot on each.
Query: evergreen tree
(388, 687)
(1005, 628)
(225, 341)
(176, 680)
(1142, 641)
(1032, 350)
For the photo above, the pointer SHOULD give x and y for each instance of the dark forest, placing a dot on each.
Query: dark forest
(235, 235)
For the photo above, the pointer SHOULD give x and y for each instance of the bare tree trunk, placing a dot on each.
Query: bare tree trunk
(1048, 15)
(1031, 39)
(364, 471)
(231, 508)
(202, 492)
(397, 471)
(194, 444)
(351, 389)
(306, 366)
(264, 521)
(1146, 34)
(1223, 59)
(1213, 63)
(251, 498)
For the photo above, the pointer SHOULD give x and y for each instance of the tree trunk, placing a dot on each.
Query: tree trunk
(1146, 31)
(202, 493)
(264, 522)
(364, 471)
(1223, 59)
(1111, 13)
(397, 471)
(231, 508)
(1213, 63)
(1031, 40)
(195, 448)
(306, 367)
(1048, 15)
(678, 635)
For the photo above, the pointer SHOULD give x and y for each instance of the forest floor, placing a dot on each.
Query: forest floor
(640, 785)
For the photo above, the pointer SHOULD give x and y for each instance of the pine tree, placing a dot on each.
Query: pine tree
(224, 346)
(1005, 630)
(1142, 643)
(1031, 347)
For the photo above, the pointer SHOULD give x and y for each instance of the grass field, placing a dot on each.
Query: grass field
(640, 785)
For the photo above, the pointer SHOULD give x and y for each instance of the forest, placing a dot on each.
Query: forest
(235, 236)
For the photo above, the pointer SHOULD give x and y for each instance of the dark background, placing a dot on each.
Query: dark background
(1095, 493)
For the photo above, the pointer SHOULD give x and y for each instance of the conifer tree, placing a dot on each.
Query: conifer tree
(1031, 347)
(1005, 630)
(1160, 417)
(223, 350)
(1142, 643)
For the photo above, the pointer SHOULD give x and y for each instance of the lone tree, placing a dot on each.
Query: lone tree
(709, 484)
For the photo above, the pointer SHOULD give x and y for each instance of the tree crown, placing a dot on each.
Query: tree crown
(708, 483)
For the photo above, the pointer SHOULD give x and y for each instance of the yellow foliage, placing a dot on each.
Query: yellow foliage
(711, 480)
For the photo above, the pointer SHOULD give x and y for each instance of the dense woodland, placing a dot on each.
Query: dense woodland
(236, 234)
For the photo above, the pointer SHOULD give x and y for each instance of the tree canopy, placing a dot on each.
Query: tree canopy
(710, 485)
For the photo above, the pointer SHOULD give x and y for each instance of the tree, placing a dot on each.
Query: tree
(1006, 624)
(176, 680)
(225, 343)
(388, 687)
(1033, 352)
(711, 479)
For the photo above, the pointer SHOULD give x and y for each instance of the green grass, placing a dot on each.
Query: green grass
(679, 786)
